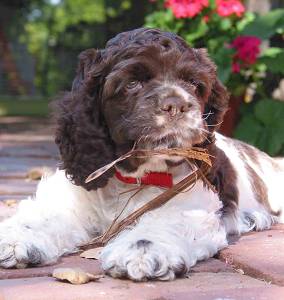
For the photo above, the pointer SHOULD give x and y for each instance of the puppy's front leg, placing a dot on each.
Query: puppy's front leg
(59, 219)
(164, 244)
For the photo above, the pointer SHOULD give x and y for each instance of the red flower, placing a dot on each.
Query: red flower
(186, 8)
(206, 19)
(236, 67)
(226, 8)
(247, 51)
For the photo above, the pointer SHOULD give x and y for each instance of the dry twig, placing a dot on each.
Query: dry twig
(193, 154)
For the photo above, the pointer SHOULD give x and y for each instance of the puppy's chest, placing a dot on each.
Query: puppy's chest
(124, 199)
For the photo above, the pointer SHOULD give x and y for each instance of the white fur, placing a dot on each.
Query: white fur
(248, 206)
(189, 228)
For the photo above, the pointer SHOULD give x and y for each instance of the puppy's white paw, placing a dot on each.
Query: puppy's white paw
(142, 260)
(21, 247)
(18, 255)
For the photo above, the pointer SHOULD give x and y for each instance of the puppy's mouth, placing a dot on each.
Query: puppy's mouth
(170, 139)
(158, 142)
(183, 133)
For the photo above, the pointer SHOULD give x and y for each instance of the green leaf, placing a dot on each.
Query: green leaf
(223, 59)
(271, 140)
(274, 141)
(265, 26)
(212, 3)
(274, 62)
(269, 112)
(262, 140)
(164, 20)
(274, 146)
(264, 127)
(224, 73)
(271, 52)
(225, 24)
(197, 31)
(243, 22)
(249, 129)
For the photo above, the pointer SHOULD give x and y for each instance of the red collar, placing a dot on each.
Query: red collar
(152, 178)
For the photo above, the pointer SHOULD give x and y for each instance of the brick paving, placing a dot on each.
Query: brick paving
(260, 255)
(252, 267)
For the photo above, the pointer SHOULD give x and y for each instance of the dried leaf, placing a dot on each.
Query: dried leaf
(193, 153)
(37, 173)
(34, 174)
(74, 275)
(103, 169)
(10, 202)
(187, 182)
(93, 253)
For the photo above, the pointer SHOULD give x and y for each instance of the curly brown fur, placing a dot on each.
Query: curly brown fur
(81, 135)
(102, 117)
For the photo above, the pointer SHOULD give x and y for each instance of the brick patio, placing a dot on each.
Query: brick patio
(252, 267)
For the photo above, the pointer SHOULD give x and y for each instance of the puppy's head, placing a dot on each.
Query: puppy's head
(146, 87)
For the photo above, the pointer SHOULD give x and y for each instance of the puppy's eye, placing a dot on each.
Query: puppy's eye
(134, 85)
(190, 81)
(198, 86)
(193, 82)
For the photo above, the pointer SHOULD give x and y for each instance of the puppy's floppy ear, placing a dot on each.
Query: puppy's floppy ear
(217, 105)
(218, 97)
(86, 59)
(81, 134)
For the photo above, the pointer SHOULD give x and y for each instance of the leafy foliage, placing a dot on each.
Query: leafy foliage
(264, 126)
(265, 26)
(57, 31)
(274, 59)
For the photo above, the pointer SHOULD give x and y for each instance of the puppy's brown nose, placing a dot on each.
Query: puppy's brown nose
(175, 106)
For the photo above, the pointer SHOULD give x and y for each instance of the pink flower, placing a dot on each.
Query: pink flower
(186, 8)
(226, 8)
(247, 50)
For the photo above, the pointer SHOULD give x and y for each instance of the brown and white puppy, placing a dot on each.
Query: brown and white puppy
(150, 88)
